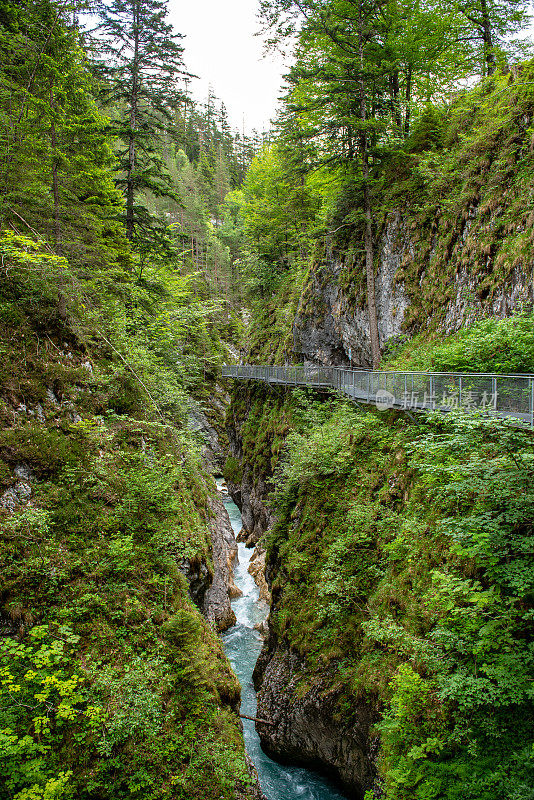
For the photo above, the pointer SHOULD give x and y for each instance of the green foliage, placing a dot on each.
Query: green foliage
(232, 470)
(428, 130)
(104, 347)
(402, 565)
(42, 705)
(56, 170)
(97, 373)
(493, 345)
(267, 422)
(98, 553)
(449, 179)
(143, 59)
(277, 217)
(137, 696)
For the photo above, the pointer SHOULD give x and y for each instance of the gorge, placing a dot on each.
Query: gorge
(243, 644)
(361, 624)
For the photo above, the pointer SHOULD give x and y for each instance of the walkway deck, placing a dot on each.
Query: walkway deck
(500, 395)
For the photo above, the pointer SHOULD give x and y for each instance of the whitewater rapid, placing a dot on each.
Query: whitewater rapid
(242, 644)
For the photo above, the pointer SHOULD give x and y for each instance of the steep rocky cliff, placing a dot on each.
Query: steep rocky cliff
(391, 559)
(247, 486)
(310, 725)
(383, 533)
(216, 605)
(307, 705)
(453, 238)
(332, 329)
(329, 327)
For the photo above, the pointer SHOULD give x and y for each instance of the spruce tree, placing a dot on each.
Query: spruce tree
(56, 159)
(144, 67)
(339, 90)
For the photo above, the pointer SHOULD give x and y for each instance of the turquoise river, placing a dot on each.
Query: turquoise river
(242, 644)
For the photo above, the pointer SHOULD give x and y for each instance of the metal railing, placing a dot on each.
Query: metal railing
(499, 395)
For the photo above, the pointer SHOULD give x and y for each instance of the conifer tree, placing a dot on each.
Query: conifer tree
(56, 160)
(145, 68)
(339, 86)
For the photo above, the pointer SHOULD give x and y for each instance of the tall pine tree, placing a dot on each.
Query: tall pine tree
(144, 68)
(56, 160)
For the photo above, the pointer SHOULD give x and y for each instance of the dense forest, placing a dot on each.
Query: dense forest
(385, 223)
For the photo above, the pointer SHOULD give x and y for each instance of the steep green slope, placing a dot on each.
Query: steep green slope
(453, 234)
(113, 685)
(402, 580)
(468, 201)
(491, 345)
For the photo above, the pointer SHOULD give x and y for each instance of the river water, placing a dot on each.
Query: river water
(242, 645)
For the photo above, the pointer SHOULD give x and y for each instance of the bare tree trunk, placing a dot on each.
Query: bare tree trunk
(368, 237)
(487, 38)
(394, 94)
(55, 174)
(134, 100)
(369, 266)
(408, 100)
(56, 214)
(55, 193)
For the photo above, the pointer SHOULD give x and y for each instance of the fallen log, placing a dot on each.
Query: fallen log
(257, 719)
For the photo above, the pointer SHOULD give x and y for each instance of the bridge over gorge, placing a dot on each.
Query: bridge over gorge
(499, 395)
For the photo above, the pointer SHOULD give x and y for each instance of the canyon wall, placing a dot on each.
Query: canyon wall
(422, 284)
(306, 704)
(364, 563)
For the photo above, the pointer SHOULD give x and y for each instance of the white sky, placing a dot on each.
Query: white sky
(220, 47)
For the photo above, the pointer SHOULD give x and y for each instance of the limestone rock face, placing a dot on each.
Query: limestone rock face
(250, 496)
(20, 492)
(216, 605)
(307, 726)
(212, 593)
(257, 570)
(256, 515)
(198, 579)
(212, 451)
(331, 325)
(328, 328)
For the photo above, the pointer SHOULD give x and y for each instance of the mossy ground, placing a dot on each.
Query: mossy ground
(118, 504)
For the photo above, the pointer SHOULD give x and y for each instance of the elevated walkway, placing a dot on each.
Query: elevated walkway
(499, 395)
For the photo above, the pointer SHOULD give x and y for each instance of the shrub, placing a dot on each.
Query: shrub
(232, 471)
